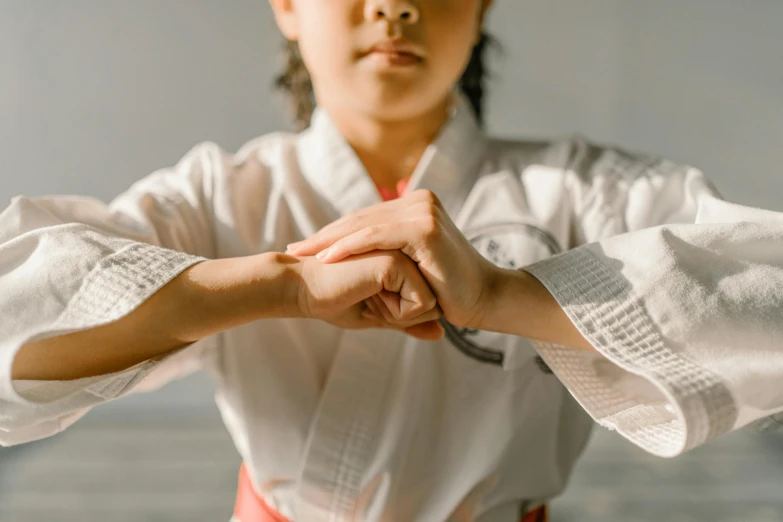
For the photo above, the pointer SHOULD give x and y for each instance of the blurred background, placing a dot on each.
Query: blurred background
(95, 94)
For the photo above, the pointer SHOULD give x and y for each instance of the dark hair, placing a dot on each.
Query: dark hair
(295, 81)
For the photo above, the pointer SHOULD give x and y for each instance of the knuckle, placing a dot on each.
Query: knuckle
(417, 313)
(427, 208)
(351, 219)
(396, 261)
(412, 311)
(428, 304)
(428, 196)
(372, 232)
(389, 316)
(395, 256)
(386, 267)
(390, 260)
(430, 226)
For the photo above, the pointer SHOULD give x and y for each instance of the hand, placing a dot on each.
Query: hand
(417, 225)
(378, 289)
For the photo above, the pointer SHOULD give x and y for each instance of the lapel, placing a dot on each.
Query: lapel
(449, 166)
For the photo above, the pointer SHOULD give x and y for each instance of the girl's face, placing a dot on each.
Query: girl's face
(388, 59)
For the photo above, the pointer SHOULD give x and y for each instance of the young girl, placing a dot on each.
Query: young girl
(655, 304)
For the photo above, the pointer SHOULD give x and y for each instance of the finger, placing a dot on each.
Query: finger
(358, 317)
(370, 321)
(390, 236)
(427, 317)
(372, 309)
(381, 213)
(379, 304)
(393, 303)
(374, 312)
(429, 331)
(424, 223)
(347, 224)
(383, 313)
(382, 310)
(404, 294)
(406, 311)
(415, 295)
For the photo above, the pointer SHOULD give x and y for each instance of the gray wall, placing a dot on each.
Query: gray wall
(97, 93)
(700, 81)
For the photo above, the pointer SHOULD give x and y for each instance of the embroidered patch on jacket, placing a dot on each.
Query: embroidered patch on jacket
(511, 246)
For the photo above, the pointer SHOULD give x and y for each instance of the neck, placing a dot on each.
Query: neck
(390, 150)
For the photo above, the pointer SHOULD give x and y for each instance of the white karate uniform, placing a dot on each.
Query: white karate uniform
(373, 425)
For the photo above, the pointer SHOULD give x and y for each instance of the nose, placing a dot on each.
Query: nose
(391, 11)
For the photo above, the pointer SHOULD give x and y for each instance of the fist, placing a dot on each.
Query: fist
(418, 226)
(382, 289)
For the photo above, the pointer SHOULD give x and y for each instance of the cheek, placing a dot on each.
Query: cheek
(325, 42)
(451, 44)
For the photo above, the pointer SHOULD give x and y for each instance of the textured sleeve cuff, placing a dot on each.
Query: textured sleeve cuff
(116, 286)
(644, 389)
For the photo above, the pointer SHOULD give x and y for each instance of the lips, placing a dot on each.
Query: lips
(395, 52)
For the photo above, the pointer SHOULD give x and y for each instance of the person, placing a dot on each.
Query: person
(438, 356)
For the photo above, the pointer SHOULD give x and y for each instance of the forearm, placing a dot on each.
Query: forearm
(521, 305)
(207, 298)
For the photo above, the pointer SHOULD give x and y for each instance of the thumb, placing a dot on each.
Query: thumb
(429, 331)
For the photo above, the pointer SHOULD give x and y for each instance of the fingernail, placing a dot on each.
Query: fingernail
(323, 253)
(292, 246)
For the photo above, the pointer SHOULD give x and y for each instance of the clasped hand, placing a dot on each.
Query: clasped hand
(400, 264)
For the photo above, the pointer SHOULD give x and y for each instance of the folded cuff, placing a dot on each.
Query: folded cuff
(117, 285)
(693, 405)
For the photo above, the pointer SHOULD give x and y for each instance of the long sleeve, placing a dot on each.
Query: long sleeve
(71, 263)
(680, 292)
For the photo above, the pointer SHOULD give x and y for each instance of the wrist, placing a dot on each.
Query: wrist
(498, 288)
(516, 302)
(521, 305)
(290, 284)
(273, 284)
(221, 294)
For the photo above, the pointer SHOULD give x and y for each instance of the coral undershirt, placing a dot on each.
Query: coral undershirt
(387, 194)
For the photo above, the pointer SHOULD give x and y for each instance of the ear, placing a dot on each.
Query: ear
(285, 16)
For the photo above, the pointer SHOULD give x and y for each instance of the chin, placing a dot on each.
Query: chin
(396, 104)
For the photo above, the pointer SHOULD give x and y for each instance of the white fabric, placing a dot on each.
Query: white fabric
(694, 310)
(372, 425)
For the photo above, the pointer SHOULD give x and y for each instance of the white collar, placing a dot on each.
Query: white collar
(449, 166)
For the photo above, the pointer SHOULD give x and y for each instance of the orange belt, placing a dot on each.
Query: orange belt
(250, 506)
